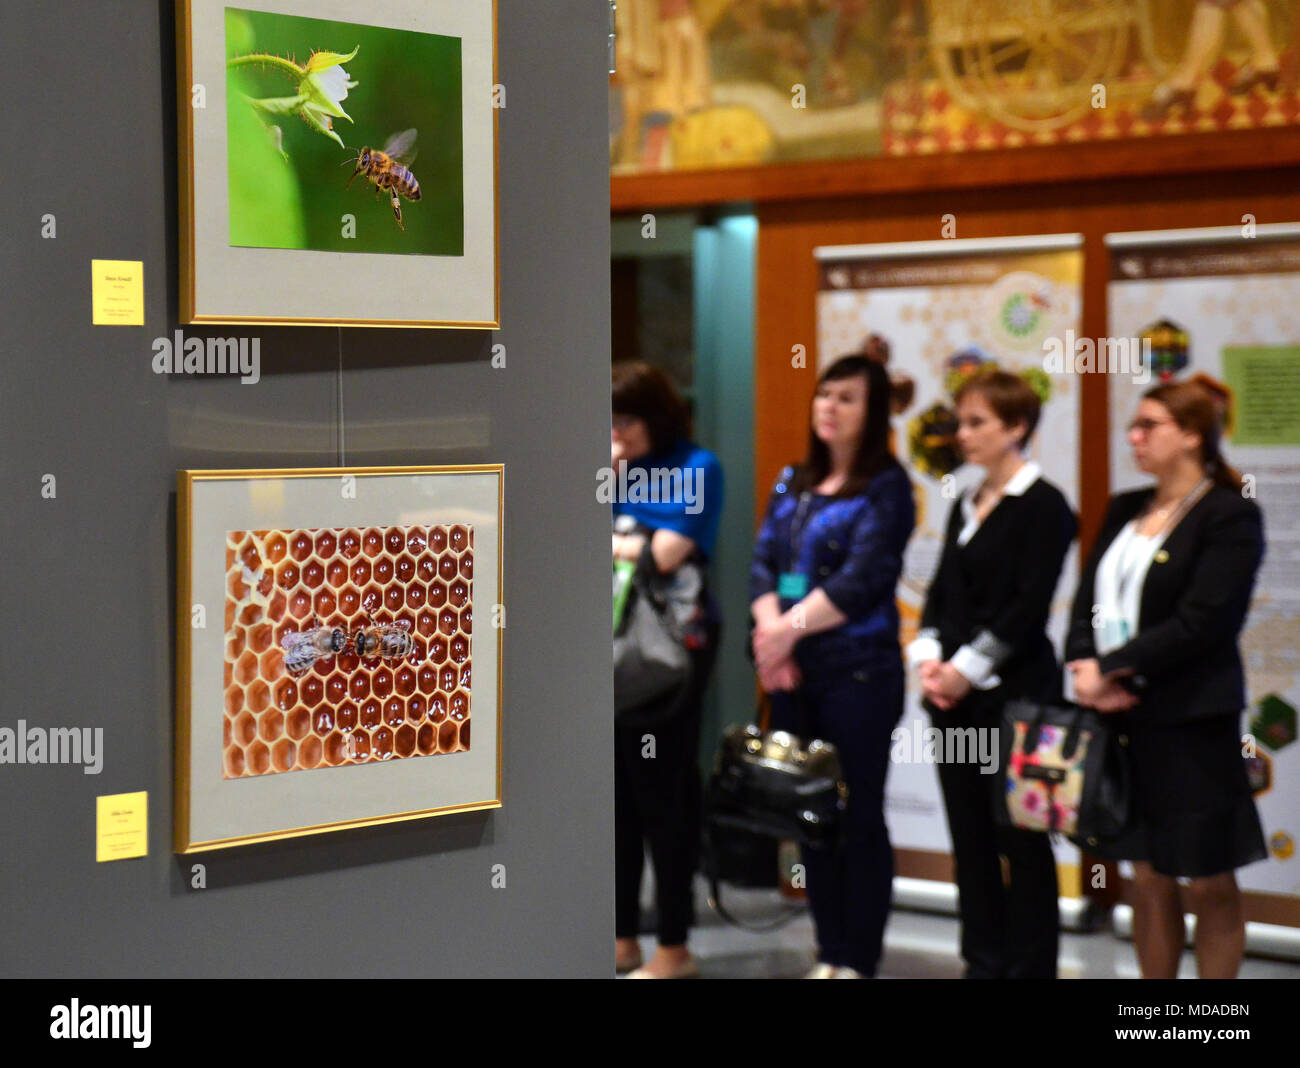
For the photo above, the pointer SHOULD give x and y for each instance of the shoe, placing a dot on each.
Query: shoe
(1167, 99)
(1247, 78)
(628, 964)
(821, 971)
(845, 972)
(689, 970)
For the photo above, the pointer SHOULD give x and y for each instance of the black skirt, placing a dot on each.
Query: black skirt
(1193, 812)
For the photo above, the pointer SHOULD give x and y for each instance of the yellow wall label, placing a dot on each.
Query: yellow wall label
(117, 292)
(122, 826)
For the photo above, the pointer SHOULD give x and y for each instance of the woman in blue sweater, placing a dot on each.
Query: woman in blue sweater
(826, 564)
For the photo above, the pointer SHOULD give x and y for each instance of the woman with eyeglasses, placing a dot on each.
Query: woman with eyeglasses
(1153, 639)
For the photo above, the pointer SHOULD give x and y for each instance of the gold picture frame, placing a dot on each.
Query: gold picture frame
(276, 280)
(256, 758)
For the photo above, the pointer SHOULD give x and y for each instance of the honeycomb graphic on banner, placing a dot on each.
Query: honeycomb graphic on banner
(346, 709)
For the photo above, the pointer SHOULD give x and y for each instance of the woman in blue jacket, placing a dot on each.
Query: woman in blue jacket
(826, 564)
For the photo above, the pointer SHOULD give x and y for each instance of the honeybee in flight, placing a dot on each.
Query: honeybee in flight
(303, 648)
(392, 641)
(389, 168)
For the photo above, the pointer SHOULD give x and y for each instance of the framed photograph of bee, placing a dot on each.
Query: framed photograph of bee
(329, 670)
(338, 162)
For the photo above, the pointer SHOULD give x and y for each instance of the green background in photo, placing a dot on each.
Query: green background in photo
(404, 79)
(1265, 380)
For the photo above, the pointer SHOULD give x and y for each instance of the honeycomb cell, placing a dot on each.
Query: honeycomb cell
(447, 567)
(458, 539)
(448, 737)
(414, 596)
(323, 720)
(300, 546)
(283, 754)
(416, 541)
(286, 695)
(346, 663)
(347, 716)
(464, 676)
(372, 599)
(415, 707)
(464, 734)
(447, 620)
(336, 748)
(325, 604)
(235, 644)
(437, 650)
(336, 574)
(467, 566)
(288, 577)
(459, 649)
(381, 683)
(326, 544)
(404, 740)
(309, 752)
(298, 724)
(234, 762)
(250, 557)
(438, 707)
(458, 593)
(270, 725)
(437, 539)
(372, 543)
(359, 685)
(259, 758)
(358, 747)
(395, 541)
(459, 705)
(235, 585)
(393, 599)
(228, 675)
(225, 732)
(384, 570)
(447, 678)
(276, 609)
(260, 638)
(271, 663)
(427, 680)
(230, 615)
(300, 604)
(426, 739)
(361, 571)
(467, 619)
(437, 594)
(404, 682)
(336, 688)
(275, 547)
(258, 697)
(349, 601)
(383, 740)
(350, 544)
(246, 668)
(394, 711)
(371, 714)
(312, 690)
(250, 614)
(234, 700)
(313, 574)
(427, 569)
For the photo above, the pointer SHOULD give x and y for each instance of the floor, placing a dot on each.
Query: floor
(918, 945)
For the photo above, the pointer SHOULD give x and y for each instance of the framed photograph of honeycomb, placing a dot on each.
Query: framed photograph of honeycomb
(338, 162)
(329, 671)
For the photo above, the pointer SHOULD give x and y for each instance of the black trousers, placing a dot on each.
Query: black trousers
(1009, 927)
(849, 887)
(658, 801)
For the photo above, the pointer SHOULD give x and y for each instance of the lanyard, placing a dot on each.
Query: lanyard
(1129, 564)
(797, 525)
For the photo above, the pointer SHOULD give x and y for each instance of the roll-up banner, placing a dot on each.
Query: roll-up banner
(945, 309)
(1222, 307)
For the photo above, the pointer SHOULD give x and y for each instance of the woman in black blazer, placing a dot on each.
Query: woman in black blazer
(983, 642)
(1153, 637)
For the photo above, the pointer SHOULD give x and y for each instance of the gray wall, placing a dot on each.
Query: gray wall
(89, 126)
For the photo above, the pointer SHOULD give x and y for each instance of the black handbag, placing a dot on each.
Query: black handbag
(1064, 770)
(766, 788)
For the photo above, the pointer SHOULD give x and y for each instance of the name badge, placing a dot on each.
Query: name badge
(792, 587)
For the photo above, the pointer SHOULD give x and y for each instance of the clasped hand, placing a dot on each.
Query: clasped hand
(1095, 690)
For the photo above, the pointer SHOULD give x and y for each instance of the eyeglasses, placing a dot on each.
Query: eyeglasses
(1145, 426)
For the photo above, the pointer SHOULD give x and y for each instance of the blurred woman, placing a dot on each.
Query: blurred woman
(657, 797)
(1153, 638)
(825, 639)
(983, 642)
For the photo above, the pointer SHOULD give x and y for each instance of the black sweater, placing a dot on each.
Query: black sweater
(1194, 602)
(994, 593)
